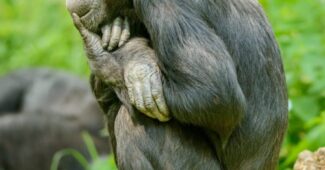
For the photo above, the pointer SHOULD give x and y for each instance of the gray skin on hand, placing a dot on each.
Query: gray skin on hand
(115, 35)
(142, 77)
(143, 81)
(93, 14)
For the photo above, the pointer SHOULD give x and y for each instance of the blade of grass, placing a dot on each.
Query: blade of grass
(90, 145)
(66, 152)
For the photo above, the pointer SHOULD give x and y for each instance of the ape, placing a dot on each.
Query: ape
(46, 91)
(222, 78)
(29, 141)
(41, 112)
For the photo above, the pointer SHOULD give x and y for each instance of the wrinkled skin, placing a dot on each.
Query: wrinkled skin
(141, 76)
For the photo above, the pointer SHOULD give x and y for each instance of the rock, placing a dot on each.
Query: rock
(308, 160)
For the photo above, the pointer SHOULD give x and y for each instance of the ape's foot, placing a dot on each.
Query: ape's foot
(143, 81)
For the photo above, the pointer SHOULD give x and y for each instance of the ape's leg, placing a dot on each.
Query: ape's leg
(144, 143)
(140, 142)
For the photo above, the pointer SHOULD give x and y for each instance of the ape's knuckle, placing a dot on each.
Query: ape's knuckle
(149, 104)
(156, 93)
(148, 108)
(138, 103)
(127, 34)
(115, 39)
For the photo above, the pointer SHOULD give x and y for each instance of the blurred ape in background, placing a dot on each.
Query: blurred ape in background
(41, 112)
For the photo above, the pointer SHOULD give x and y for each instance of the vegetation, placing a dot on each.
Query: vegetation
(299, 28)
(98, 163)
(40, 33)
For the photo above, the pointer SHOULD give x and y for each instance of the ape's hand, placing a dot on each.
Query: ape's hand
(143, 81)
(116, 34)
(91, 40)
(102, 64)
(142, 76)
(113, 34)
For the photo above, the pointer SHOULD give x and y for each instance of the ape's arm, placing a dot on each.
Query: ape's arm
(135, 63)
(200, 81)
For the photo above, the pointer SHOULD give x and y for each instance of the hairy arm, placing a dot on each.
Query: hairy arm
(200, 81)
(130, 71)
(132, 65)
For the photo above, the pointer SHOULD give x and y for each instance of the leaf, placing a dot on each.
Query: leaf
(305, 107)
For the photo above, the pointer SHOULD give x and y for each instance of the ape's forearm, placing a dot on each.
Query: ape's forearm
(201, 84)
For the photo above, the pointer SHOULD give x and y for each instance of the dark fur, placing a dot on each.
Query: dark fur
(223, 82)
(41, 112)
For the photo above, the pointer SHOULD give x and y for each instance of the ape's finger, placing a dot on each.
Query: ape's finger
(78, 24)
(149, 103)
(157, 94)
(91, 40)
(138, 97)
(116, 33)
(125, 33)
(130, 90)
(106, 32)
(139, 101)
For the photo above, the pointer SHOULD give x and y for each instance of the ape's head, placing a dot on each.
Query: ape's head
(92, 13)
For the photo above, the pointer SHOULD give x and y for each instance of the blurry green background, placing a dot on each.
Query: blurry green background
(40, 33)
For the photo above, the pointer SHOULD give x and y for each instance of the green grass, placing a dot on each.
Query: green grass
(40, 33)
(96, 162)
